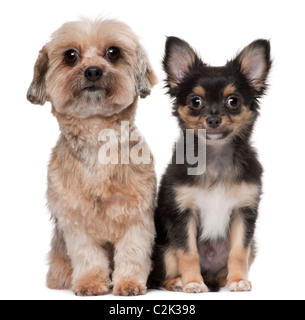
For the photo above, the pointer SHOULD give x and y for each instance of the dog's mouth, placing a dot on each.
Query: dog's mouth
(217, 134)
(92, 89)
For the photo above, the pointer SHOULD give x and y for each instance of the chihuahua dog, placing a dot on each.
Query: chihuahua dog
(93, 72)
(206, 222)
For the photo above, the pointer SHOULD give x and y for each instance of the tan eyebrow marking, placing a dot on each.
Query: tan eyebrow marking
(199, 91)
(230, 89)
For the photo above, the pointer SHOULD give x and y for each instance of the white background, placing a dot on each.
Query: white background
(217, 29)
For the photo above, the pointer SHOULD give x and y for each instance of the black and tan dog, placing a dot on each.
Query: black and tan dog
(206, 223)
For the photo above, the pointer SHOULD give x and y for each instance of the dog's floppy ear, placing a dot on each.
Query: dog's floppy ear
(179, 58)
(255, 63)
(145, 75)
(37, 92)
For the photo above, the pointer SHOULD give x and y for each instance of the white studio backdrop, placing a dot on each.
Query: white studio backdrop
(217, 29)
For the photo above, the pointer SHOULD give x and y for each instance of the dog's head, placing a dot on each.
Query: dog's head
(221, 100)
(91, 68)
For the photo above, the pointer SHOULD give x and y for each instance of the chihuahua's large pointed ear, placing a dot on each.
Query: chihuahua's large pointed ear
(37, 92)
(179, 58)
(255, 63)
(145, 75)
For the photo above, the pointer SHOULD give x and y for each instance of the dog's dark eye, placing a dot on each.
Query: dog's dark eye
(113, 54)
(233, 103)
(196, 103)
(71, 57)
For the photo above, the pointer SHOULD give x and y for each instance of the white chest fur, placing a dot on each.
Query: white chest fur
(215, 206)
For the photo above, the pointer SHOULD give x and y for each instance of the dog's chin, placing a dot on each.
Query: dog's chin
(214, 135)
(90, 102)
(95, 104)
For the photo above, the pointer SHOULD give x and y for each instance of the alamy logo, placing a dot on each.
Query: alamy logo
(128, 146)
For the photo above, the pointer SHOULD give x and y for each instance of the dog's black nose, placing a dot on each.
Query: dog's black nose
(214, 122)
(93, 74)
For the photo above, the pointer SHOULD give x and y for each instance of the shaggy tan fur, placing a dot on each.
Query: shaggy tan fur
(100, 211)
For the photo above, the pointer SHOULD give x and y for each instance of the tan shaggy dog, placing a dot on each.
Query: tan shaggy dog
(93, 73)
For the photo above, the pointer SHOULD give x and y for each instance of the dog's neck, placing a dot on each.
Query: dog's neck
(225, 161)
(85, 133)
(219, 156)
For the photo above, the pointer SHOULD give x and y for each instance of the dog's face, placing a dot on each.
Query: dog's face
(91, 68)
(221, 100)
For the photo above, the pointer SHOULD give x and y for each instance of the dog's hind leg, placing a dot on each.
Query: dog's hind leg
(60, 271)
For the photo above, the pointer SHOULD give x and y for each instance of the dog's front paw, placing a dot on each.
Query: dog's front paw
(129, 288)
(195, 287)
(174, 285)
(240, 286)
(91, 285)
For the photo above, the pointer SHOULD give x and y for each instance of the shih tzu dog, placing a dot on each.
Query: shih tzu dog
(93, 72)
